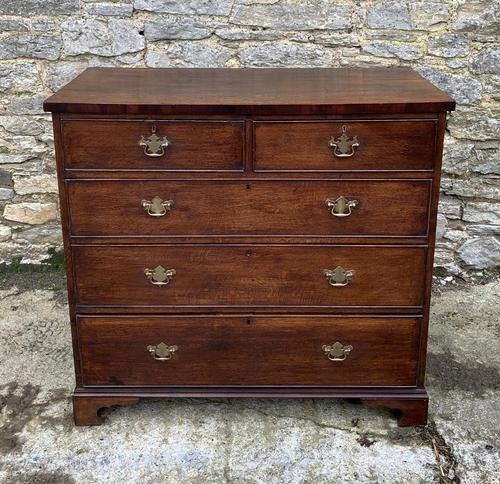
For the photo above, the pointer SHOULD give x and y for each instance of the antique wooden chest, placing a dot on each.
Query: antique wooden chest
(249, 232)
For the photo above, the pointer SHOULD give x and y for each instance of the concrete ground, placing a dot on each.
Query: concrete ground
(246, 441)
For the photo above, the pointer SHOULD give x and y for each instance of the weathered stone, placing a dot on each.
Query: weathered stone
(111, 9)
(60, 73)
(387, 49)
(457, 156)
(450, 206)
(478, 16)
(175, 27)
(429, 15)
(490, 144)
(486, 162)
(283, 54)
(39, 7)
(27, 105)
(33, 213)
(443, 252)
(44, 234)
(24, 185)
(203, 7)
(5, 178)
(459, 236)
(335, 39)
(22, 145)
(475, 125)
(390, 35)
(486, 61)
(188, 54)
(481, 253)
(43, 25)
(293, 15)
(22, 125)
(242, 33)
(492, 87)
(6, 193)
(471, 187)
(441, 226)
(457, 63)
(5, 233)
(484, 229)
(15, 158)
(350, 52)
(19, 78)
(131, 59)
(459, 37)
(464, 90)
(389, 15)
(31, 46)
(448, 45)
(482, 213)
(12, 25)
(111, 38)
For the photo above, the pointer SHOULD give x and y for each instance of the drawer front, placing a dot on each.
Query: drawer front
(209, 208)
(382, 145)
(257, 275)
(248, 351)
(191, 145)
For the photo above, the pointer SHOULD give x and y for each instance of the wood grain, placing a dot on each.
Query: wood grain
(251, 275)
(249, 208)
(248, 351)
(249, 168)
(114, 144)
(249, 91)
(383, 146)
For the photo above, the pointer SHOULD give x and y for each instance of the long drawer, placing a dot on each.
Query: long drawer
(266, 350)
(250, 275)
(344, 146)
(229, 207)
(153, 145)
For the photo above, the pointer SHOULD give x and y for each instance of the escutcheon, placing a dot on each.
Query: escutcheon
(156, 207)
(341, 207)
(343, 146)
(339, 276)
(162, 351)
(154, 145)
(159, 276)
(337, 351)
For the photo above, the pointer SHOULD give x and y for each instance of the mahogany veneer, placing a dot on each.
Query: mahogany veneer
(249, 232)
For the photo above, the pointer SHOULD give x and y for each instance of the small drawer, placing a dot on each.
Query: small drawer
(344, 146)
(153, 145)
(237, 350)
(249, 208)
(271, 276)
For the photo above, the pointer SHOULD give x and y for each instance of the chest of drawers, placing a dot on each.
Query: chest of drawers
(249, 232)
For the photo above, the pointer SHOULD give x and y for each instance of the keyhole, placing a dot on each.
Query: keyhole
(248, 321)
(248, 186)
(248, 253)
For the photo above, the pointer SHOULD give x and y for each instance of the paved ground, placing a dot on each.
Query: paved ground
(247, 441)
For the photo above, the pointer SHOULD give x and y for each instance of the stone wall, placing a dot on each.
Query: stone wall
(454, 43)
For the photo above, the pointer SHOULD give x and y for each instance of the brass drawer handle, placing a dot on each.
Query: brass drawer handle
(154, 145)
(339, 277)
(157, 207)
(343, 146)
(159, 276)
(341, 207)
(162, 351)
(337, 351)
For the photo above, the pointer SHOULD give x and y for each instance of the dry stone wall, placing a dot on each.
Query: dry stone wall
(454, 44)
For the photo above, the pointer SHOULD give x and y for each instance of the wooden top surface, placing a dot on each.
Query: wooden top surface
(249, 91)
